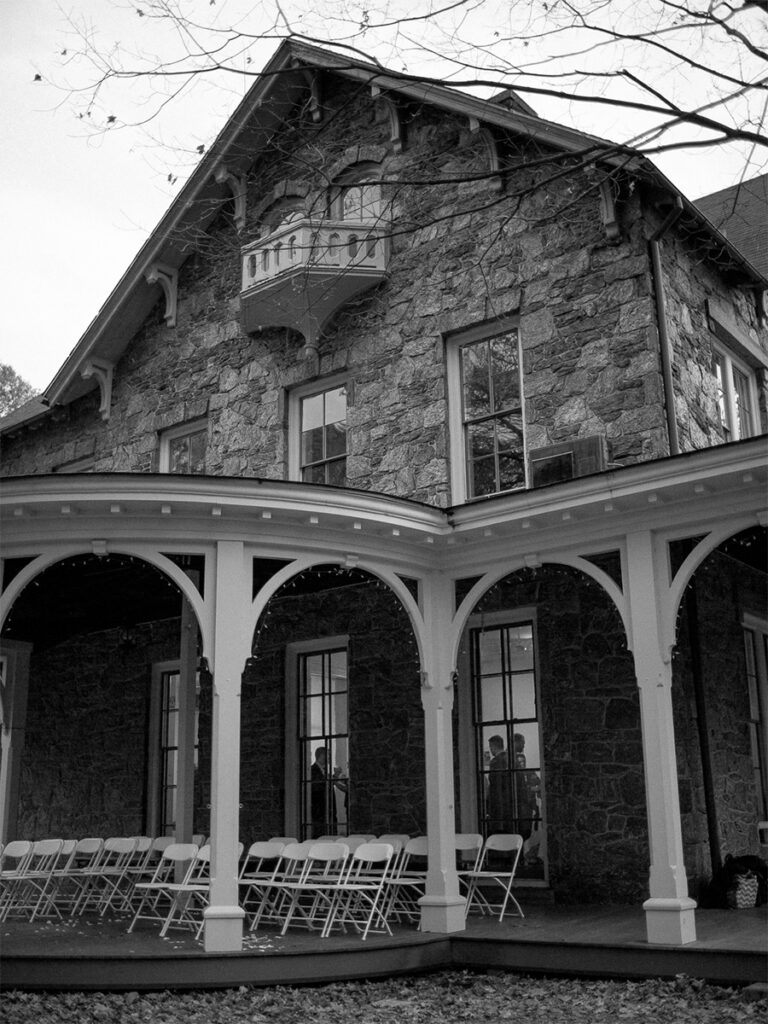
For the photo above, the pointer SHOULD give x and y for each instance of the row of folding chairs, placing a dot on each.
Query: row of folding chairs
(68, 877)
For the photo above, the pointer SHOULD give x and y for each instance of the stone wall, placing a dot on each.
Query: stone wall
(85, 753)
(690, 283)
(462, 253)
(595, 807)
(386, 721)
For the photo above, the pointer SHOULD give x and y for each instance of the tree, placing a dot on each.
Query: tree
(669, 74)
(14, 390)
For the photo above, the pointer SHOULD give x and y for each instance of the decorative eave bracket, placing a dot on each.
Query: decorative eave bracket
(312, 78)
(102, 371)
(396, 137)
(492, 151)
(608, 210)
(168, 279)
(237, 186)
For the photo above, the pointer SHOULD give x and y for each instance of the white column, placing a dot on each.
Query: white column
(224, 916)
(14, 689)
(669, 913)
(442, 907)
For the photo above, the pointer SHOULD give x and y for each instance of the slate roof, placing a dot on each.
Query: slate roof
(740, 212)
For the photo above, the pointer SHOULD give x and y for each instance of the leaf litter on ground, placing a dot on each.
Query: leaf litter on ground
(447, 997)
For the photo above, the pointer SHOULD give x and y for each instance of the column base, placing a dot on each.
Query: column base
(442, 915)
(223, 932)
(670, 921)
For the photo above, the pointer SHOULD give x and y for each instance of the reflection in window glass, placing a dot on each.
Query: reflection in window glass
(492, 414)
(324, 743)
(186, 453)
(506, 729)
(324, 437)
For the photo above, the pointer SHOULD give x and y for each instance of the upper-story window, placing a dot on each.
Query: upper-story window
(182, 449)
(318, 429)
(356, 196)
(486, 394)
(736, 395)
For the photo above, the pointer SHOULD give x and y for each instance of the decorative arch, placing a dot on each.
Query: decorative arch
(159, 561)
(691, 563)
(295, 568)
(490, 579)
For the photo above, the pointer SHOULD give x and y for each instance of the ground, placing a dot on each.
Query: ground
(441, 998)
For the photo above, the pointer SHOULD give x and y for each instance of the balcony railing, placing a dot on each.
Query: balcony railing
(309, 269)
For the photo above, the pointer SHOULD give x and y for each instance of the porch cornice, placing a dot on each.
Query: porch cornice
(680, 495)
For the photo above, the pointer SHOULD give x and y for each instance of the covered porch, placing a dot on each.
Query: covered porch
(425, 556)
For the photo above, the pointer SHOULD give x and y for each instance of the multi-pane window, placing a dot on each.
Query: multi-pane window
(735, 396)
(492, 414)
(323, 436)
(182, 450)
(323, 733)
(355, 202)
(169, 750)
(507, 737)
(756, 653)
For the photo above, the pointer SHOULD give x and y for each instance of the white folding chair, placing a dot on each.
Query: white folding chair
(46, 902)
(13, 863)
(32, 879)
(361, 897)
(176, 861)
(256, 871)
(288, 869)
(496, 867)
(189, 898)
(309, 898)
(103, 883)
(410, 878)
(75, 874)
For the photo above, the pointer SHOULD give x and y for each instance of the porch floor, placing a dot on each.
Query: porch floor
(96, 954)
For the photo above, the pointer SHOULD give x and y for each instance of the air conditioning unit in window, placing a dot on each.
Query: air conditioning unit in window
(567, 460)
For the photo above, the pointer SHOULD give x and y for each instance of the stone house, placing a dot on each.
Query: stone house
(427, 433)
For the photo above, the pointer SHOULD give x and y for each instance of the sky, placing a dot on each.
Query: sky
(76, 208)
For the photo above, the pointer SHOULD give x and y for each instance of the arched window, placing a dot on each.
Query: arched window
(356, 196)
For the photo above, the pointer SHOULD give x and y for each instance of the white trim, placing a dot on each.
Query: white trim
(731, 362)
(454, 393)
(293, 651)
(295, 396)
(470, 820)
(172, 434)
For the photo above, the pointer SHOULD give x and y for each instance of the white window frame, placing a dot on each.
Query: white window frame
(470, 802)
(295, 397)
(293, 652)
(458, 455)
(173, 434)
(732, 421)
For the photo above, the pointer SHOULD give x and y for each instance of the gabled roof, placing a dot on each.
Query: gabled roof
(740, 214)
(280, 86)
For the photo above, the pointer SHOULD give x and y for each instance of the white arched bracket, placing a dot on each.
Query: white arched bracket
(168, 279)
(102, 372)
(396, 138)
(237, 186)
(492, 152)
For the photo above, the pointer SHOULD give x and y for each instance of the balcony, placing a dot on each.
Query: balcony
(303, 272)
